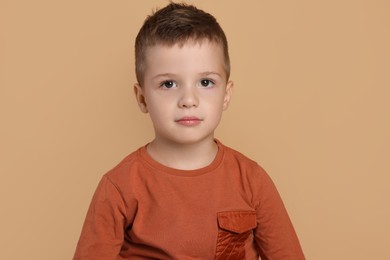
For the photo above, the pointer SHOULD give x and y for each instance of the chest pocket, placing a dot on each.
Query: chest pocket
(234, 229)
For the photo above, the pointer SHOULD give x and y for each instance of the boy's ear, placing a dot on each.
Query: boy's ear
(138, 91)
(228, 94)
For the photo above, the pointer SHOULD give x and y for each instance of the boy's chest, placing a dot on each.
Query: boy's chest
(181, 217)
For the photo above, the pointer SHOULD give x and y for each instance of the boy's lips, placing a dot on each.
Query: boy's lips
(189, 121)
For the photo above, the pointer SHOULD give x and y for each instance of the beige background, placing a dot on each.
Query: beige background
(311, 105)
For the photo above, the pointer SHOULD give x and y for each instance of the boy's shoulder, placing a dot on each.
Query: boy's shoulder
(125, 166)
(235, 159)
(232, 153)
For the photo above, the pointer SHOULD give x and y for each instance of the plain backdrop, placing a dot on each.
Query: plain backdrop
(310, 104)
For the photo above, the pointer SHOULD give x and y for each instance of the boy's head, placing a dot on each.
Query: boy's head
(177, 24)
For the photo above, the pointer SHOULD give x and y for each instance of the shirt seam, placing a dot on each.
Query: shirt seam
(121, 196)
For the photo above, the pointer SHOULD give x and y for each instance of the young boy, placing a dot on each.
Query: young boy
(185, 195)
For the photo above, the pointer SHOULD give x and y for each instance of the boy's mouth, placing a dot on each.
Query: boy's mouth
(189, 121)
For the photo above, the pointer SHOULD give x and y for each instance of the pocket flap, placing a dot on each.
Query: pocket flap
(237, 221)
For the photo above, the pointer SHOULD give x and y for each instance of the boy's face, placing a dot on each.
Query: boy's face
(184, 90)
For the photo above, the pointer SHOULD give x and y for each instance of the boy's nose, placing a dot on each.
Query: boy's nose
(189, 98)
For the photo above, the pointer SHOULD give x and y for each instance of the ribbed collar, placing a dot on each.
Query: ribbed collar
(183, 173)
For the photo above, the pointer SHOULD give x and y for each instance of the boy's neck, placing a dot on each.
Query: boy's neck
(183, 156)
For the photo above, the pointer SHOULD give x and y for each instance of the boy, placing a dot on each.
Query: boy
(185, 195)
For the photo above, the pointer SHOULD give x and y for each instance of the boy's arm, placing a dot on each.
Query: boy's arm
(103, 230)
(275, 236)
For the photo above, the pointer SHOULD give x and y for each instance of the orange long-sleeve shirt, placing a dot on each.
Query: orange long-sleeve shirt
(227, 210)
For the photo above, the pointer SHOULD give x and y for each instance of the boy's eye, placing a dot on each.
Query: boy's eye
(206, 83)
(168, 84)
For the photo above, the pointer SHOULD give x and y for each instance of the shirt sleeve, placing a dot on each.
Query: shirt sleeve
(275, 237)
(102, 234)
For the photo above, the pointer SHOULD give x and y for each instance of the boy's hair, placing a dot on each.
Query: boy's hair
(177, 24)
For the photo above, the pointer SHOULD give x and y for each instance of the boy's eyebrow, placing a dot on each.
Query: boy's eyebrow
(208, 73)
(167, 75)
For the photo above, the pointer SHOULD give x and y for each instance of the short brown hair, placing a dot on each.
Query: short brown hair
(176, 24)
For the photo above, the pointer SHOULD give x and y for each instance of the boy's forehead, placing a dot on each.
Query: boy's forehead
(204, 47)
(190, 57)
(198, 51)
